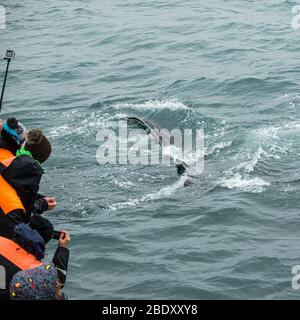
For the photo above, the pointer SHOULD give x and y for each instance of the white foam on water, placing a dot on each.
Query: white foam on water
(249, 166)
(120, 116)
(216, 148)
(246, 183)
(263, 144)
(58, 131)
(83, 126)
(123, 184)
(162, 193)
(173, 151)
(171, 103)
(268, 133)
(282, 96)
(68, 130)
(277, 132)
(271, 143)
(278, 140)
(239, 177)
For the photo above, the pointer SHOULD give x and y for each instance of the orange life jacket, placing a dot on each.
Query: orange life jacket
(5, 154)
(9, 199)
(17, 255)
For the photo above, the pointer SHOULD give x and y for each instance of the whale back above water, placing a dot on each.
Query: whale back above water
(182, 167)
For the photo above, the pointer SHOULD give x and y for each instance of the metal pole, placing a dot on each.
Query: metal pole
(4, 83)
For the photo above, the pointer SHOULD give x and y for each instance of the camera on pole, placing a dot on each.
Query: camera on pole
(10, 54)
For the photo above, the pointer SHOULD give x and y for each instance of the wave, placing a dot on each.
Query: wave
(171, 103)
(216, 148)
(77, 125)
(249, 166)
(239, 177)
(252, 84)
(279, 140)
(162, 193)
(270, 142)
(246, 183)
(274, 132)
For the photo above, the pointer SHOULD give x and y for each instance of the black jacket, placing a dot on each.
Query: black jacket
(40, 204)
(9, 145)
(24, 175)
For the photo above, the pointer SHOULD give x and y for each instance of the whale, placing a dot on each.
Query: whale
(183, 169)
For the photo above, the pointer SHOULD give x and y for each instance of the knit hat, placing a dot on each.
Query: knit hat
(34, 284)
(43, 226)
(38, 145)
(13, 130)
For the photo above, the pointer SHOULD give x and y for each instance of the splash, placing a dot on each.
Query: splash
(276, 132)
(82, 124)
(162, 193)
(171, 104)
(217, 148)
(247, 184)
(239, 177)
(249, 166)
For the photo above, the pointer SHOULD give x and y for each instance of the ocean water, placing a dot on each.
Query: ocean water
(228, 67)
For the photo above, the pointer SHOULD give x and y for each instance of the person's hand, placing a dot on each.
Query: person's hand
(51, 202)
(64, 239)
